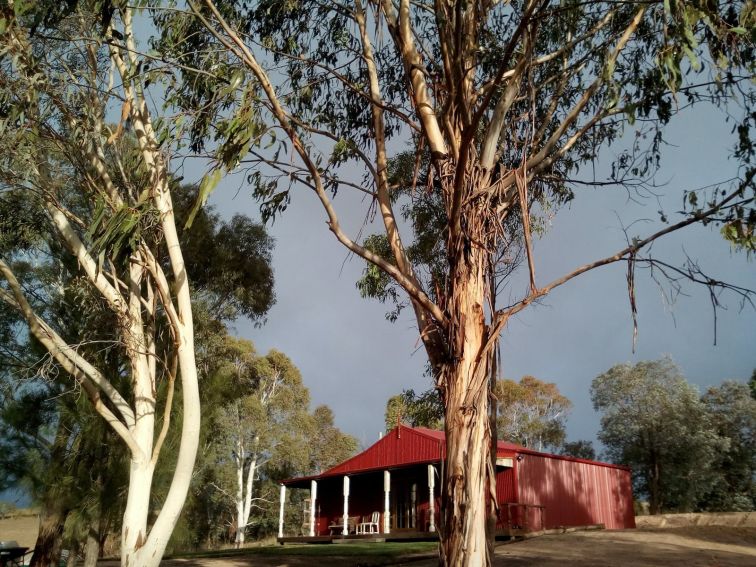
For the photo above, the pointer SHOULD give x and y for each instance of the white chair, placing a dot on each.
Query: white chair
(371, 526)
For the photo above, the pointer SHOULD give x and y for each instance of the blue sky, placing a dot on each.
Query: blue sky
(353, 359)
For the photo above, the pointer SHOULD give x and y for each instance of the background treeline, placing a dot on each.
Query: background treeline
(688, 452)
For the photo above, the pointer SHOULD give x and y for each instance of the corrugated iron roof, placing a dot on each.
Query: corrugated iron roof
(405, 446)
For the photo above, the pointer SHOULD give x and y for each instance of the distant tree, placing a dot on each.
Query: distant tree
(417, 410)
(582, 449)
(328, 445)
(531, 412)
(263, 424)
(752, 384)
(732, 414)
(655, 422)
(229, 261)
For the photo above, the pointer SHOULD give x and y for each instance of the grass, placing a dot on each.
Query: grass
(374, 550)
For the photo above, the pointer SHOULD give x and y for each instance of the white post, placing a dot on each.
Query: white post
(432, 501)
(413, 510)
(345, 530)
(281, 511)
(313, 499)
(386, 494)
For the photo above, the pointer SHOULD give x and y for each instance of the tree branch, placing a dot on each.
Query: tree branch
(625, 253)
(237, 46)
(75, 364)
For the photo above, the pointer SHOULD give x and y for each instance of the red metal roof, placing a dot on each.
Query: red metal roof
(404, 446)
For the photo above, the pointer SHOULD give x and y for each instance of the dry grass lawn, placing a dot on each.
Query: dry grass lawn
(22, 529)
(692, 546)
(696, 546)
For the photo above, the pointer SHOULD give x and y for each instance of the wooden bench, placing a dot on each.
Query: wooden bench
(338, 527)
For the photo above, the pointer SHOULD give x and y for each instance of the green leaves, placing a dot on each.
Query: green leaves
(207, 186)
(740, 234)
(653, 420)
(115, 234)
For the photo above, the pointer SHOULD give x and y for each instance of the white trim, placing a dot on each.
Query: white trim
(386, 502)
(281, 511)
(313, 500)
(345, 528)
(431, 498)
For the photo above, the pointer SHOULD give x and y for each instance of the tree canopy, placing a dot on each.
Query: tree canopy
(503, 104)
(654, 421)
(532, 413)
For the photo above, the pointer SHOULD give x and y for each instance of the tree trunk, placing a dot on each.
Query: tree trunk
(248, 491)
(654, 504)
(92, 548)
(240, 524)
(134, 530)
(469, 492)
(49, 540)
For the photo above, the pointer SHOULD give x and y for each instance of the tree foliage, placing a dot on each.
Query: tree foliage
(581, 449)
(417, 410)
(532, 413)
(732, 414)
(328, 445)
(503, 105)
(654, 421)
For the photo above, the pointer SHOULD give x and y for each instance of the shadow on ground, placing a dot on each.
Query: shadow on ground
(695, 546)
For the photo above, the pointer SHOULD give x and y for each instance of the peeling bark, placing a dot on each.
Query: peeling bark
(468, 498)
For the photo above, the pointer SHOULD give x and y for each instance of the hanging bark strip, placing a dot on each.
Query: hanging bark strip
(631, 295)
(521, 180)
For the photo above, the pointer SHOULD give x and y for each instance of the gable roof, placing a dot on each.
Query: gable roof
(405, 446)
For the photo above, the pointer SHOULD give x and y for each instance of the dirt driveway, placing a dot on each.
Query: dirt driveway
(704, 546)
(700, 546)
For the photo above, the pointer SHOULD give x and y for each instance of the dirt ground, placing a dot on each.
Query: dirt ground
(692, 546)
(695, 546)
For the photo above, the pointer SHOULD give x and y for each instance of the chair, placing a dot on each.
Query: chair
(370, 524)
(337, 525)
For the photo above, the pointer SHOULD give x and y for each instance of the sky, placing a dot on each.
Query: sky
(353, 359)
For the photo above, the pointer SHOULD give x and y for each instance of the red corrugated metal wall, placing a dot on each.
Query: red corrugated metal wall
(576, 493)
(505, 492)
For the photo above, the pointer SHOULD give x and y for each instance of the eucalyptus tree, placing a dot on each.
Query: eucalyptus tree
(418, 410)
(653, 420)
(263, 423)
(732, 413)
(78, 479)
(102, 193)
(328, 445)
(532, 412)
(502, 102)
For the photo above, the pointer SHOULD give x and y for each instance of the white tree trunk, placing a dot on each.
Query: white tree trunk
(239, 500)
(91, 548)
(247, 509)
(150, 553)
(134, 528)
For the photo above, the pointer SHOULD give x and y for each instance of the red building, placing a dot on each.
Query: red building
(393, 488)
